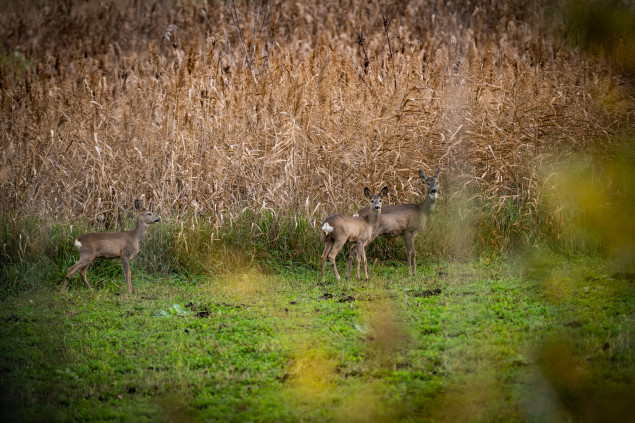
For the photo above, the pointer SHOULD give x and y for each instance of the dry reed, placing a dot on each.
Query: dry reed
(105, 101)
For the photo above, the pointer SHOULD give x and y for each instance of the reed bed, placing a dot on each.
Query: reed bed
(207, 110)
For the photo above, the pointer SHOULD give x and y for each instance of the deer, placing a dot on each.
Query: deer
(338, 230)
(124, 244)
(407, 220)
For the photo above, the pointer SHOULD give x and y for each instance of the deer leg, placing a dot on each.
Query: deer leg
(82, 272)
(366, 268)
(126, 269)
(337, 246)
(359, 250)
(328, 246)
(69, 274)
(365, 262)
(71, 271)
(414, 255)
(414, 259)
(352, 253)
(410, 251)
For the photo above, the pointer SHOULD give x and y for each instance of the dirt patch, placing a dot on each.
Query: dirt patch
(201, 314)
(205, 310)
(201, 311)
(342, 298)
(346, 299)
(427, 293)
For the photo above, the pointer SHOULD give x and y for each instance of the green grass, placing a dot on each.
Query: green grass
(546, 339)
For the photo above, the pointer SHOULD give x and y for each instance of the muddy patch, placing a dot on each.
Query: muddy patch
(426, 293)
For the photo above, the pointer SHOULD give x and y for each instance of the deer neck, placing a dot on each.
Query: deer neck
(373, 217)
(427, 205)
(140, 231)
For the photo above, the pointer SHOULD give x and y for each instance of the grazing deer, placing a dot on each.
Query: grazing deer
(111, 245)
(338, 230)
(407, 220)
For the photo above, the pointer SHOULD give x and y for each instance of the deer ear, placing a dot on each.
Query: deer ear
(367, 193)
(436, 173)
(138, 204)
(383, 192)
(422, 175)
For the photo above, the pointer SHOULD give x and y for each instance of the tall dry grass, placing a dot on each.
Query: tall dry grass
(293, 107)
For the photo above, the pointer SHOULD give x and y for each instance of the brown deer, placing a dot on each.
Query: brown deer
(338, 230)
(111, 245)
(407, 220)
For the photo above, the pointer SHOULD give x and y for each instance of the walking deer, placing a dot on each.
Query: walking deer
(111, 245)
(338, 230)
(407, 220)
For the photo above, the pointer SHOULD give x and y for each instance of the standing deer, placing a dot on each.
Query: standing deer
(407, 220)
(111, 245)
(338, 230)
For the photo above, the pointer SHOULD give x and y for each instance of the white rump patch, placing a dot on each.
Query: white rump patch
(78, 244)
(326, 228)
(356, 215)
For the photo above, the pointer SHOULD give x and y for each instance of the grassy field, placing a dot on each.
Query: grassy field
(538, 339)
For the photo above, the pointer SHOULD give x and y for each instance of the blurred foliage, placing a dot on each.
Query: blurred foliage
(596, 195)
(603, 27)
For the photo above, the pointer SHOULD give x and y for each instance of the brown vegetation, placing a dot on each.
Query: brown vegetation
(104, 101)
